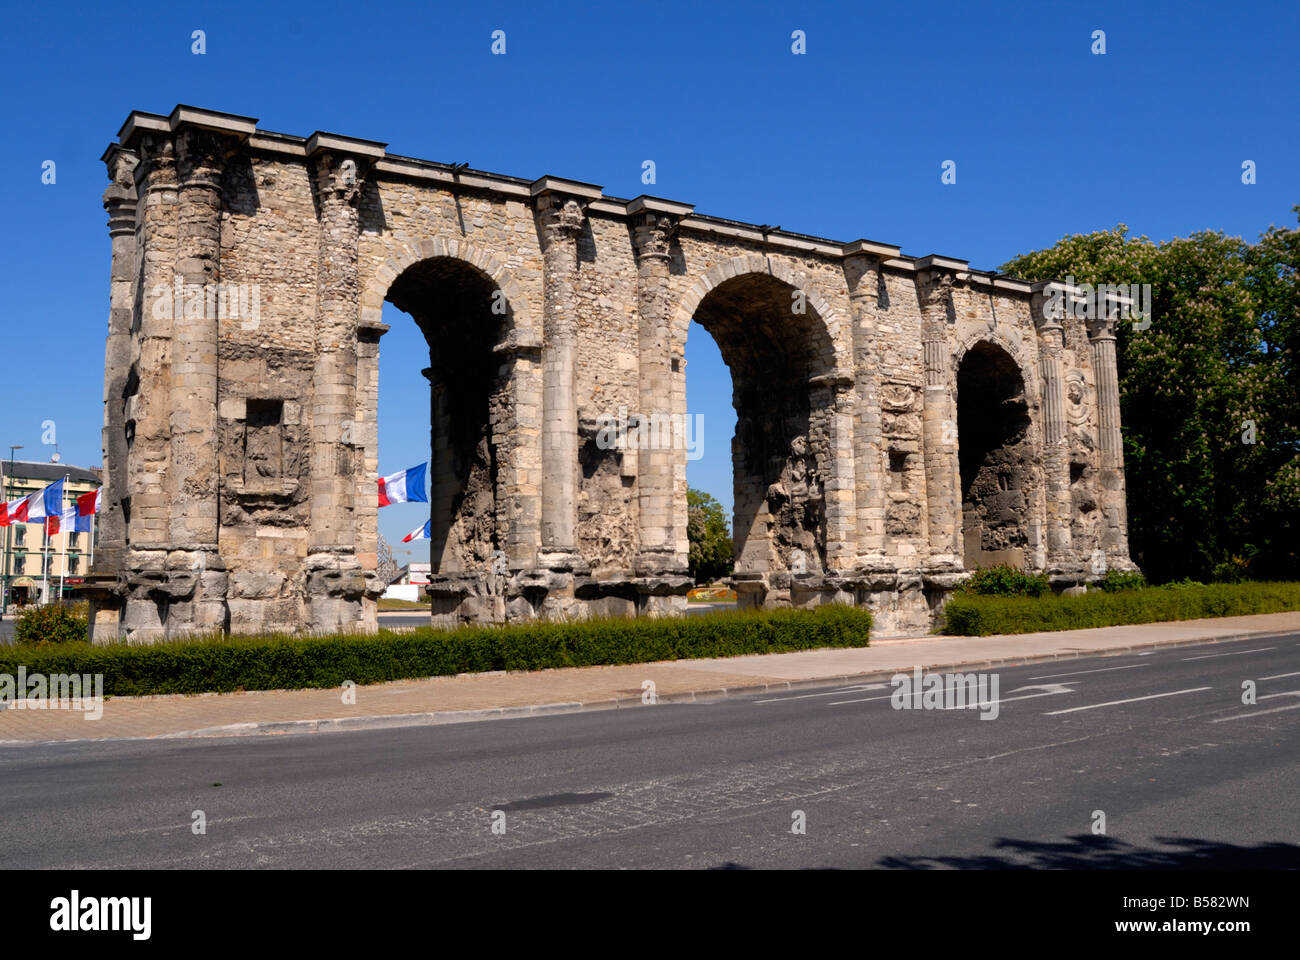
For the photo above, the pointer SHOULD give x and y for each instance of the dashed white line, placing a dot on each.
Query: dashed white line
(1115, 703)
(1257, 713)
(1048, 676)
(1279, 676)
(914, 696)
(1235, 653)
(826, 693)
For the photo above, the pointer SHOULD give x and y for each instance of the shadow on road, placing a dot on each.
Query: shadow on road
(1087, 852)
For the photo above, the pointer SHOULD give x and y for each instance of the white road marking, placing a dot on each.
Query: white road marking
(1284, 693)
(1235, 653)
(826, 693)
(1279, 676)
(1076, 673)
(1257, 713)
(836, 703)
(1028, 696)
(1115, 703)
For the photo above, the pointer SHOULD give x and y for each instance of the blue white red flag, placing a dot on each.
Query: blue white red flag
(404, 487)
(35, 507)
(88, 503)
(420, 533)
(69, 522)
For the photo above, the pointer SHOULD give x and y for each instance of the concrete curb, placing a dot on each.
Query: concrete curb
(393, 721)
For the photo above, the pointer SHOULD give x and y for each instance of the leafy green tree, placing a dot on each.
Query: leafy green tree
(1215, 370)
(711, 552)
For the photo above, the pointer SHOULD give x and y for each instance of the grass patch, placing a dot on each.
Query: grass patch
(393, 603)
(286, 662)
(971, 615)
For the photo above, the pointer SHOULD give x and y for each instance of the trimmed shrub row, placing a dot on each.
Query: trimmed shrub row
(285, 662)
(979, 616)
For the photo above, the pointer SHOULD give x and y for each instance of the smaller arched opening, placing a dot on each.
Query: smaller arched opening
(995, 458)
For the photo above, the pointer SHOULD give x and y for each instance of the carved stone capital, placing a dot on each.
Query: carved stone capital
(340, 177)
(120, 197)
(158, 162)
(653, 234)
(561, 217)
(202, 157)
(1101, 328)
(934, 290)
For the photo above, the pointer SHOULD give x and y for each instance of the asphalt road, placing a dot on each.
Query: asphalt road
(1185, 774)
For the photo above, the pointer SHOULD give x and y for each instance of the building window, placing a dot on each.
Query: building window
(20, 534)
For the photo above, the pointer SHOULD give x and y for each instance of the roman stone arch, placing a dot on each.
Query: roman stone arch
(1008, 345)
(999, 455)
(523, 325)
(778, 336)
(829, 320)
(240, 433)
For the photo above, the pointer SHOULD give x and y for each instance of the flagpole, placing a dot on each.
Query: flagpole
(45, 561)
(63, 495)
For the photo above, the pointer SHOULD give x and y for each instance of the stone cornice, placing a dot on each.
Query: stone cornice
(386, 164)
(334, 143)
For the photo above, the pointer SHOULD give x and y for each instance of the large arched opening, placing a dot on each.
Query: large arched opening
(773, 343)
(462, 317)
(995, 458)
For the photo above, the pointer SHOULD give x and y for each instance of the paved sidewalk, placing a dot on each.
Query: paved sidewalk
(495, 695)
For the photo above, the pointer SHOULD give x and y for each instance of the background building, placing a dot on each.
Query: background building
(410, 583)
(26, 553)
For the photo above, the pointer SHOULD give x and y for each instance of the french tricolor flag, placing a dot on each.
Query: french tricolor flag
(76, 518)
(34, 507)
(404, 487)
(88, 503)
(420, 533)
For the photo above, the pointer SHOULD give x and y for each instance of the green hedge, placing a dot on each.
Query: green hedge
(282, 662)
(975, 616)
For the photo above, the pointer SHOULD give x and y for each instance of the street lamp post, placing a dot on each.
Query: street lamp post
(4, 592)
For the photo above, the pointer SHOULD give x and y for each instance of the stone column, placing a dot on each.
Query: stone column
(335, 583)
(659, 516)
(939, 426)
(365, 435)
(192, 528)
(863, 275)
(519, 512)
(1101, 333)
(146, 414)
(561, 222)
(1056, 448)
(149, 486)
(120, 203)
(832, 395)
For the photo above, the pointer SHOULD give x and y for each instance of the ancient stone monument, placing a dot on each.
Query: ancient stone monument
(900, 419)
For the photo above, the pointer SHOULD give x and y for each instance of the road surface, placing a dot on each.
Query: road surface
(1160, 745)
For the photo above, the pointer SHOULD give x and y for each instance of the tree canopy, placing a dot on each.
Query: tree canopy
(711, 552)
(1209, 395)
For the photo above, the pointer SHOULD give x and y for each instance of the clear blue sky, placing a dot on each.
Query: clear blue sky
(845, 141)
